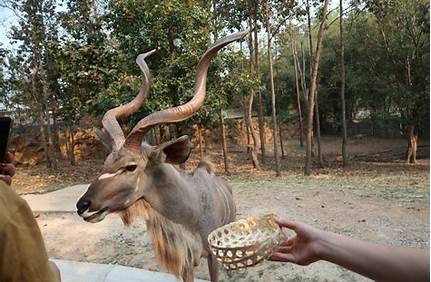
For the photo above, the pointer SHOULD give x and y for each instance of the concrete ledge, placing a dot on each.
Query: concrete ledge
(73, 271)
(63, 200)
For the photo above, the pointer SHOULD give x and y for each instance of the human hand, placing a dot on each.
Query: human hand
(7, 169)
(303, 248)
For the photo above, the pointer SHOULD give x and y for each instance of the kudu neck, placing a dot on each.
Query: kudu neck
(172, 195)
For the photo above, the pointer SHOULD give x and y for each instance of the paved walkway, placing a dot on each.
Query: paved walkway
(64, 200)
(72, 271)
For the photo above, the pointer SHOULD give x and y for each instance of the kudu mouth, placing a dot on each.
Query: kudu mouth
(94, 216)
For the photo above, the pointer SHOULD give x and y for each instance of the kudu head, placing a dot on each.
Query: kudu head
(125, 177)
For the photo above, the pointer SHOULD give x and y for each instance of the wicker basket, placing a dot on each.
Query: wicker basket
(245, 242)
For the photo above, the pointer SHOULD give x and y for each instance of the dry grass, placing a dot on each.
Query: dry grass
(375, 161)
(40, 179)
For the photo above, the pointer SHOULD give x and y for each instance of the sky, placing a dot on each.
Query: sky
(7, 19)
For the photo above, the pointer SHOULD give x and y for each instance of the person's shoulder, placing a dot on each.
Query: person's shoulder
(10, 203)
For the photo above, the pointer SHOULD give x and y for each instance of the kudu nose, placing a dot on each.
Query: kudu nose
(82, 205)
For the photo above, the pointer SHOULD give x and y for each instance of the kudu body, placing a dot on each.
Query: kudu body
(179, 209)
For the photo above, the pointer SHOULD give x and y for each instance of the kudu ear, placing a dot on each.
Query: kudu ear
(174, 152)
(105, 138)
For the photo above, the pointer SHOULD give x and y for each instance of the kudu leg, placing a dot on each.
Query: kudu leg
(188, 275)
(213, 268)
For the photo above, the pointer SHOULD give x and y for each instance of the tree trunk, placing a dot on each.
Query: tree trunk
(310, 41)
(253, 149)
(247, 128)
(225, 152)
(45, 101)
(411, 134)
(201, 149)
(343, 84)
(38, 79)
(162, 133)
(319, 148)
(259, 93)
(175, 131)
(168, 133)
(302, 75)
(41, 115)
(298, 98)
(249, 108)
(310, 53)
(55, 138)
(313, 87)
(178, 132)
(271, 78)
(49, 139)
(70, 139)
(281, 141)
(153, 136)
(44, 140)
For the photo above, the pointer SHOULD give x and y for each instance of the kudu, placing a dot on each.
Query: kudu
(179, 209)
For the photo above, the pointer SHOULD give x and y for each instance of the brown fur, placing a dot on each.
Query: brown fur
(176, 248)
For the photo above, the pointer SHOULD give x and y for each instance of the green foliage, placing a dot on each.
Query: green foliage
(89, 64)
(380, 43)
(181, 33)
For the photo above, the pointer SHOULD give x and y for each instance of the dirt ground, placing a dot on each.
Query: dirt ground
(377, 198)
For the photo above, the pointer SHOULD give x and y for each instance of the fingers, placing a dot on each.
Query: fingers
(9, 157)
(7, 169)
(284, 249)
(286, 223)
(288, 242)
(6, 178)
(277, 256)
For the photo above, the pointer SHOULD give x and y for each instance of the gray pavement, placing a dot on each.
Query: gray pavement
(72, 271)
(63, 200)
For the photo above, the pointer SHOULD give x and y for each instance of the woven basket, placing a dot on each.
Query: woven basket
(245, 242)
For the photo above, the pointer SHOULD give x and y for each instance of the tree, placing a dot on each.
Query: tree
(249, 106)
(298, 95)
(233, 14)
(310, 54)
(316, 102)
(257, 70)
(343, 83)
(404, 29)
(224, 145)
(271, 80)
(313, 87)
(33, 62)
(87, 65)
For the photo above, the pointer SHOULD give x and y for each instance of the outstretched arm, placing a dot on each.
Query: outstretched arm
(381, 263)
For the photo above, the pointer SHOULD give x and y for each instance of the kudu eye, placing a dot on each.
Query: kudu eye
(131, 167)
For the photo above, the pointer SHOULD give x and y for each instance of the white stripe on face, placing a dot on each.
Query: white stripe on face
(137, 184)
(108, 175)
